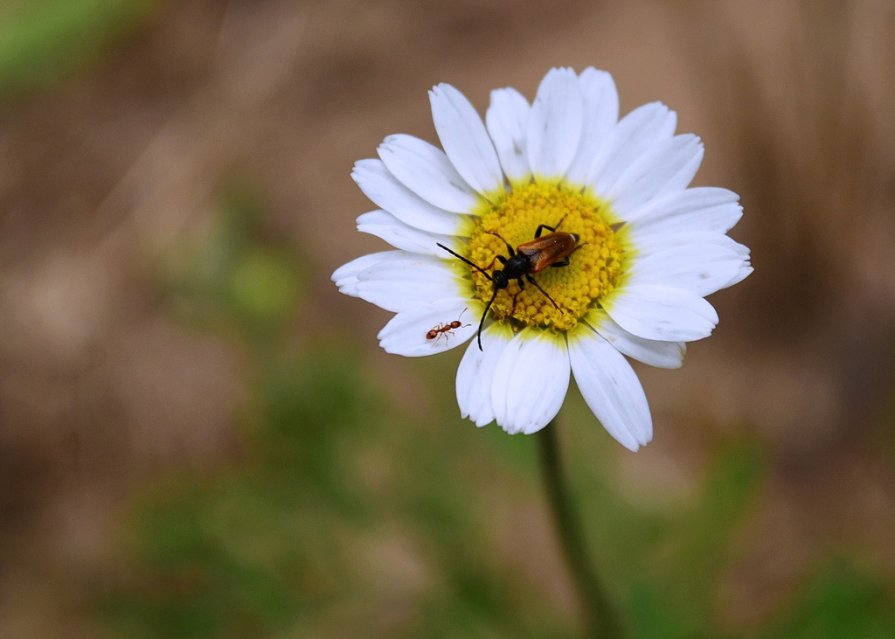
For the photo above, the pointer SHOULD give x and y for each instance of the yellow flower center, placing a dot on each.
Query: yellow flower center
(596, 264)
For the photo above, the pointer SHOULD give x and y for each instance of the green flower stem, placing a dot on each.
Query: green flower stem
(602, 621)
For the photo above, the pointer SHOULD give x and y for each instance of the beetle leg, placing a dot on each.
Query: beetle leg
(510, 248)
(513, 309)
(564, 262)
(538, 286)
(552, 229)
(496, 258)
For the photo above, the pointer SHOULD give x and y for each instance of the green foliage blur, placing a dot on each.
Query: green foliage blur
(348, 512)
(41, 40)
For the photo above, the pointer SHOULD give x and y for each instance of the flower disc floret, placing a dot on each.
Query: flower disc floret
(595, 269)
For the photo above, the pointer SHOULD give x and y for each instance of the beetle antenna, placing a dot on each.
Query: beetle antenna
(484, 315)
(463, 259)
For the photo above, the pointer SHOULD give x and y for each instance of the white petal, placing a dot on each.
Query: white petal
(530, 381)
(405, 281)
(554, 125)
(662, 313)
(406, 333)
(745, 271)
(475, 375)
(387, 227)
(426, 170)
(611, 389)
(465, 139)
(385, 191)
(703, 208)
(345, 277)
(657, 243)
(648, 351)
(507, 121)
(669, 167)
(634, 135)
(600, 116)
(699, 268)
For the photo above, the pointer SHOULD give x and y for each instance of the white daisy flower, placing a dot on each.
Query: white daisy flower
(625, 255)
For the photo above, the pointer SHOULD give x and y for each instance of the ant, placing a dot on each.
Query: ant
(445, 329)
(528, 258)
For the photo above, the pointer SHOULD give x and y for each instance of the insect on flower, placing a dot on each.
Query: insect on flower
(446, 328)
(553, 249)
(465, 219)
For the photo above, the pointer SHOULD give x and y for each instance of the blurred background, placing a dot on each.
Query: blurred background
(199, 437)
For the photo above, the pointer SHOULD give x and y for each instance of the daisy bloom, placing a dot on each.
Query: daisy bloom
(645, 249)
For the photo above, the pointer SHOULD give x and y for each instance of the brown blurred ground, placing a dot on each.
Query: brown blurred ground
(104, 174)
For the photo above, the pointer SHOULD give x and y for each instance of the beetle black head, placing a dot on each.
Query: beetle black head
(499, 280)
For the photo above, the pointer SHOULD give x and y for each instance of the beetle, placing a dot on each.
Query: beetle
(445, 329)
(553, 249)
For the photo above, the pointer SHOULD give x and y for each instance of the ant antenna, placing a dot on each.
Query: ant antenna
(460, 257)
